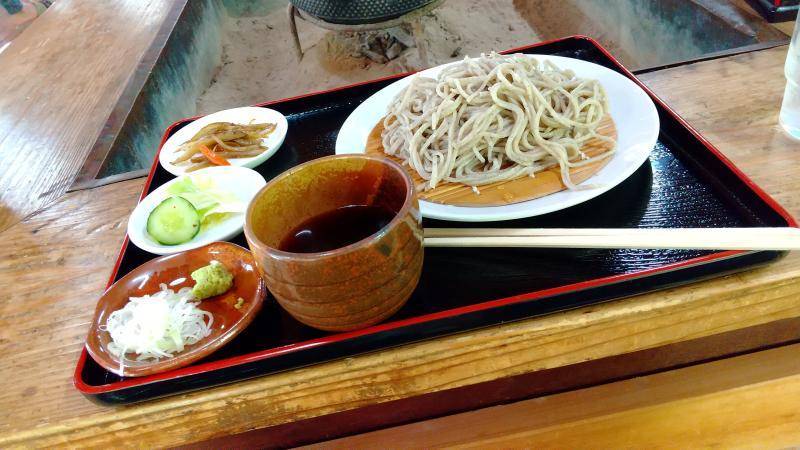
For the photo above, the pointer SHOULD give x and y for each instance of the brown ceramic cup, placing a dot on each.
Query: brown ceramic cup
(349, 287)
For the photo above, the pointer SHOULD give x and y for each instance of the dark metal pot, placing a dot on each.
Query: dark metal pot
(357, 12)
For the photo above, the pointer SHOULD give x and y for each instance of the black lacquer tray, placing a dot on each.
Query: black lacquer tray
(685, 183)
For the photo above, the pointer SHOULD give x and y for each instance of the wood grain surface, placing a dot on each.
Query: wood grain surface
(60, 80)
(744, 402)
(518, 190)
(787, 27)
(56, 263)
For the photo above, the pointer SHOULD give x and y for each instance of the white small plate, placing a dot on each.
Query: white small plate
(243, 116)
(242, 182)
(632, 109)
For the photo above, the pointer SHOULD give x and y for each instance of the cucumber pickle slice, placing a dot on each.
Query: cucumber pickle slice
(174, 221)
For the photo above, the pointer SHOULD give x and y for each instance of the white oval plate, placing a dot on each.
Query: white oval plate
(632, 109)
(244, 116)
(244, 183)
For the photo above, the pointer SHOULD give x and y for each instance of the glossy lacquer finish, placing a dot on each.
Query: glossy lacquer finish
(146, 280)
(686, 183)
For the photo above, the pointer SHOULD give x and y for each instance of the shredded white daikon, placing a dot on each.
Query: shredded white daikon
(157, 326)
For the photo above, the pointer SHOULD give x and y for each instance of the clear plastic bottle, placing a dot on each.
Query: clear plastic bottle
(790, 110)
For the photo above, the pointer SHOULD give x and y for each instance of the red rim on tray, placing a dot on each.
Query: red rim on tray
(688, 183)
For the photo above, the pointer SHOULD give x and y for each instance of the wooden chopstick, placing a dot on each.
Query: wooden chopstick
(756, 238)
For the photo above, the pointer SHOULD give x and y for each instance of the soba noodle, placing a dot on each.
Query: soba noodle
(495, 118)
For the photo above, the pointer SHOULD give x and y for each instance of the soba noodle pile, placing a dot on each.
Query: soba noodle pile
(495, 118)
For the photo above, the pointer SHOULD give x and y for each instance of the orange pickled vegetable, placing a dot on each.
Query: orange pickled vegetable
(213, 157)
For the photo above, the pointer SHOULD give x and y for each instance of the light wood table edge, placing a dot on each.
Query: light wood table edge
(733, 302)
(656, 411)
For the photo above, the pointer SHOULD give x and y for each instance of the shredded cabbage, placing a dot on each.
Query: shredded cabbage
(211, 202)
(157, 326)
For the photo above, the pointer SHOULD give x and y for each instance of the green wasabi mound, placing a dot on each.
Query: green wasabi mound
(211, 280)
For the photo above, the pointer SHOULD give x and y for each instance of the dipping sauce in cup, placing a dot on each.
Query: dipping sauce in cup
(338, 240)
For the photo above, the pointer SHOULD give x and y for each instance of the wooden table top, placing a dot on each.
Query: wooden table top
(61, 79)
(58, 250)
(748, 401)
